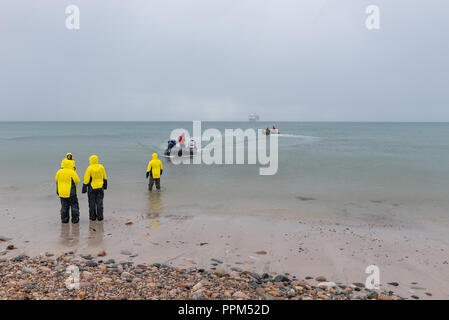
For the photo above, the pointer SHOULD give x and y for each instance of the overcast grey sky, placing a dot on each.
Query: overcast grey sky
(306, 60)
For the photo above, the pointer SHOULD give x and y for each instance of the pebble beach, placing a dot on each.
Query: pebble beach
(45, 277)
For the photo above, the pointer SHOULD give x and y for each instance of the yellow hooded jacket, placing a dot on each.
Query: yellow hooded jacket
(95, 174)
(72, 162)
(155, 166)
(64, 178)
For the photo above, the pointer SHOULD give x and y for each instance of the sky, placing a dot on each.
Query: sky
(219, 60)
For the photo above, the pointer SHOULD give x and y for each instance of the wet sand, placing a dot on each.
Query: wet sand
(414, 257)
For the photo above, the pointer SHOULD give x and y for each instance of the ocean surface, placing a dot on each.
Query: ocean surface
(370, 172)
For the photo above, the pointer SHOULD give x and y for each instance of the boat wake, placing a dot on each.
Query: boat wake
(299, 136)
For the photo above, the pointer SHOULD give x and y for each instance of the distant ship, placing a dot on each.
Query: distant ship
(253, 117)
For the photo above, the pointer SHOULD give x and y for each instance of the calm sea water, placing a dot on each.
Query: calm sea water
(371, 171)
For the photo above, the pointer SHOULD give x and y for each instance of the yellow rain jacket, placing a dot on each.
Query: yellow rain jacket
(72, 162)
(155, 166)
(95, 174)
(64, 178)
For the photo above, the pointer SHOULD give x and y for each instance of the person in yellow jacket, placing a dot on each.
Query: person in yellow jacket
(154, 170)
(69, 157)
(95, 181)
(66, 181)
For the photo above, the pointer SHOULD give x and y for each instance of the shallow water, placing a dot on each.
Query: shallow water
(376, 172)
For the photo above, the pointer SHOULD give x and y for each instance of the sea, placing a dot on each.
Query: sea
(369, 173)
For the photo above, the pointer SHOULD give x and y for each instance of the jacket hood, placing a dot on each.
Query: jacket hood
(68, 154)
(93, 159)
(154, 156)
(66, 164)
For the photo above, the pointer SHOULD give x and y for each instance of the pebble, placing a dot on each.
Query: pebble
(255, 276)
(29, 270)
(125, 281)
(327, 284)
(220, 272)
(320, 279)
(394, 284)
(240, 295)
(372, 295)
(198, 286)
(281, 278)
(266, 296)
(197, 295)
(359, 285)
(216, 260)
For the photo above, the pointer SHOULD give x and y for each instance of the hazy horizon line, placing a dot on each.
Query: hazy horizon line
(260, 121)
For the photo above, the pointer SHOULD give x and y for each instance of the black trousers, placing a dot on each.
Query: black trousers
(66, 205)
(152, 181)
(95, 197)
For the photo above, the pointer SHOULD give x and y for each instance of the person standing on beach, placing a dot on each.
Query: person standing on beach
(66, 181)
(69, 157)
(95, 181)
(154, 170)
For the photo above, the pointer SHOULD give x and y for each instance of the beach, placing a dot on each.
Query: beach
(346, 196)
(257, 244)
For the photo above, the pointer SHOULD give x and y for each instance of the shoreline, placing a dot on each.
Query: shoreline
(255, 244)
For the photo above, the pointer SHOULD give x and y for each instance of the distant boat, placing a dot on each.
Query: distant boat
(253, 117)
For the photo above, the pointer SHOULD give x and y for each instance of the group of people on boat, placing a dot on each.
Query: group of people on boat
(273, 130)
(189, 148)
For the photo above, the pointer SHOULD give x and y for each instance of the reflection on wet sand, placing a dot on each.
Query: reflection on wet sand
(155, 208)
(70, 234)
(96, 233)
(155, 205)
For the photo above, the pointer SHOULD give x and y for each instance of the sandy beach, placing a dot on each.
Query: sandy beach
(412, 262)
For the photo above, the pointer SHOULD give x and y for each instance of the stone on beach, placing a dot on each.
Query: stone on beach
(394, 284)
(327, 284)
(240, 295)
(29, 270)
(281, 278)
(44, 278)
(101, 253)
